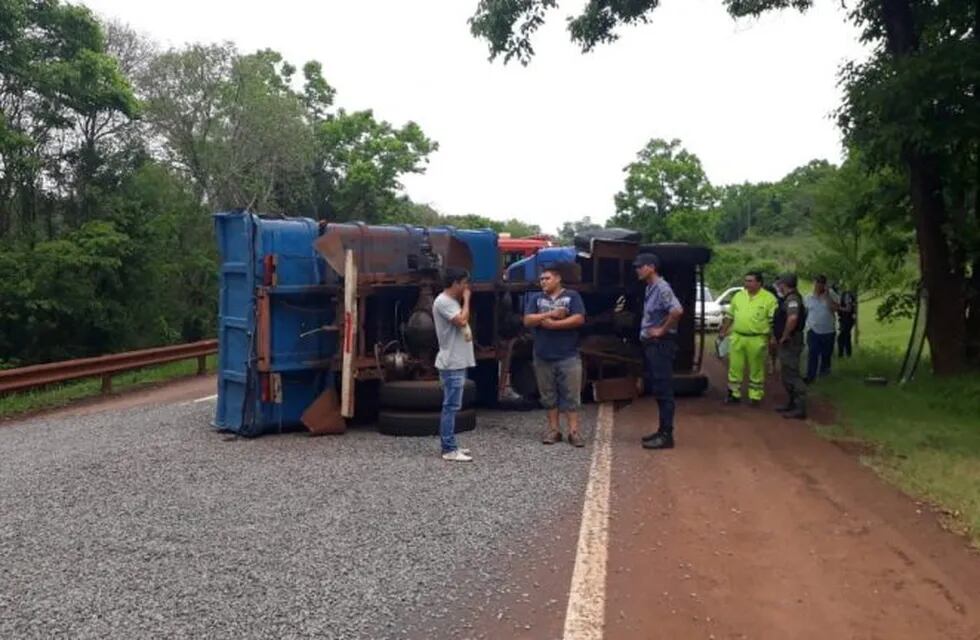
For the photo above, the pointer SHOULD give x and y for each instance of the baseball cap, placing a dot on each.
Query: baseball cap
(647, 259)
(789, 279)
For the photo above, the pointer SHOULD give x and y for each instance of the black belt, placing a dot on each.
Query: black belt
(670, 337)
(750, 335)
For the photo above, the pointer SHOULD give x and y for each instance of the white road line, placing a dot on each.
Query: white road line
(585, 616)
(207, 398)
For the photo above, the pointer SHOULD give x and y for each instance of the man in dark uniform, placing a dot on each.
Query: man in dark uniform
(788, 334)
(845, 323)
(658, 333)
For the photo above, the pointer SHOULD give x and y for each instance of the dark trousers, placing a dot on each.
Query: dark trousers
(789, 367)
(844, 347)
(820, 348)
(659, 359)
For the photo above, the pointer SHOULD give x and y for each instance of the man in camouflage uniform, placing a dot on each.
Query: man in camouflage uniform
(788, 334)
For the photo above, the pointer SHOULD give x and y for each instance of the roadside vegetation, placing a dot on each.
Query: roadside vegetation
(57, 396)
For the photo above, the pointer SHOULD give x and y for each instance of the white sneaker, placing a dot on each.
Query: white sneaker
(457, 456)
(464, 451)
(511, 395)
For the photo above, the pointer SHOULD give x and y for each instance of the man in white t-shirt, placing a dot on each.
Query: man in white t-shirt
(451, 313)
(821, 306)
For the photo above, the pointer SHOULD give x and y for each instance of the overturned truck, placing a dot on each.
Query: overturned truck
(323, 325)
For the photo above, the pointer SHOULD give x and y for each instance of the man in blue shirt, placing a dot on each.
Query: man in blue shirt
(658, 333)
(821, 306)
(555, 316)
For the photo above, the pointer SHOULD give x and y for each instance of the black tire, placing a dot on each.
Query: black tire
(487, 379)
(690, 385)
(523, 379)
(421, 423)
(420, 395)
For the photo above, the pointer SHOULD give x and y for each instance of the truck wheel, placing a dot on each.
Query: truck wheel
(421, 423)
(420, 395)
(487, 379)
(523, 380)
(690, 384)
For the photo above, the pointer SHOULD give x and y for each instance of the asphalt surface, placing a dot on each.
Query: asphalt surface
(144, 522)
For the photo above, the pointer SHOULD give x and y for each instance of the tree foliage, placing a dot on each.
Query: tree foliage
(863, 254)
(55, 79)
(568, 230)
(664, 182)
(113, 154)
(912, 107)
(508, 26)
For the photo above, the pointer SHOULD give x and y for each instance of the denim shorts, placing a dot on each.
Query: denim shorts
(560, 383)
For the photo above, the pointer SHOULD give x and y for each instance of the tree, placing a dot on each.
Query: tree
(856, 249)
(520, 229)
(509, 25)
(568, 230)
(665, 179)
(359, 162)
(912, 106)
(55, 76)
(232, 122)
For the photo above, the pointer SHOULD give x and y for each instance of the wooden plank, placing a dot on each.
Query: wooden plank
(350, 336)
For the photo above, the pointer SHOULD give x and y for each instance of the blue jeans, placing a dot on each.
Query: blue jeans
(659, 356)
(820, 348)
(453, 382)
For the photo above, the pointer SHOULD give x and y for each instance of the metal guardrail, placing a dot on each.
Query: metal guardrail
(105, 367)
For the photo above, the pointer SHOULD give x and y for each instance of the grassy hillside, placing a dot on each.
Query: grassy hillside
(770, 255)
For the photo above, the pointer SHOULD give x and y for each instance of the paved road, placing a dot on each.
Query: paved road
(140, 521)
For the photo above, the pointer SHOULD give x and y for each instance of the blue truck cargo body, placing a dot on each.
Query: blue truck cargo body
(270, 265)
(298, 364)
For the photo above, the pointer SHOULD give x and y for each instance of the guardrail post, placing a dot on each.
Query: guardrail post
(107, 383)
(202, 365)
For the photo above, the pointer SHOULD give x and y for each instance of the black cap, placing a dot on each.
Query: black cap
(647, 260)
(789, 279)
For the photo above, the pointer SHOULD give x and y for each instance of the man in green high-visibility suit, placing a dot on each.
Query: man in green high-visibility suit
(748, 320)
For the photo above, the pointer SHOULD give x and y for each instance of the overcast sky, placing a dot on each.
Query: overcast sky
(548, 143)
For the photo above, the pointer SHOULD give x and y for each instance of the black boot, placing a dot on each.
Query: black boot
(789, 406)
(730, 399)
(797, 413)
(660, 441)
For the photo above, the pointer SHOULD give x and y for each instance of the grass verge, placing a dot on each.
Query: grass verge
(924, 437)
(53, 397)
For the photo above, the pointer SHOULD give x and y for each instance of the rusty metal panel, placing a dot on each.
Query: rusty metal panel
(612, 389)
(389, 251)
(614, 249)
(323, 416)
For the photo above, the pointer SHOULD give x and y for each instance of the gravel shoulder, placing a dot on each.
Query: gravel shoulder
(144, 522)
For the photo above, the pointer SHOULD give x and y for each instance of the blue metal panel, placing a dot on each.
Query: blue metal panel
(528, 269)
(486, 256)
(236, 315)
(297, 306)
